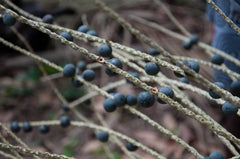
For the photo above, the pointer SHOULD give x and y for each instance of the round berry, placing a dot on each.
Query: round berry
(109, 105)
(44, 129)
(116, 62)
(88, 75)
(151, 68)
(102, 136)
(214, 95)
(15, 127)
(229, 109)
(64, 121)
(65, 107)
(131, 147)
(235, 86)
(91, 32)
(26, 127)
(48, 18)
(193, 39)
(69, 70)
(131, 99)
(67, 36)
(76, 83)
(145, 99)
(8, 19)
(83, 28)
(153, 52)
(134, 74)
(187, 45)
(167, 91)
(81, 65)
(193, 65)
(104, 50)
(184, 80)
(119, 99)
(217, 59)
(216, 155)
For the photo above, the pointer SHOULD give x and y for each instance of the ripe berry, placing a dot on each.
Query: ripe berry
(48, 18)
(193, 39)
(44, 129)
(116, 62)
(8, 19)
(65, 107)
(145, 99)
(83, 28)
(216, 155)
(151, 68)
(235, 87)
(104, 50)
(76, 83)
(193, 65)
(184, 80)
(229, 109)
(67, 36)
(109, 105)
(153, 52)
(91, 32)
(187, 45)
(214, 95)
(119, 99)
(88, 75)
(26, 127)
(64, 121)
(167, 91)
(102, 136)
(81, 65)
(69, 70)
(131, 99)
(217, 59)
(15, 127)
(131, 147)
(134, 74)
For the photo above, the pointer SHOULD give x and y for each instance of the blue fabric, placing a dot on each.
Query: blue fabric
(226, 39)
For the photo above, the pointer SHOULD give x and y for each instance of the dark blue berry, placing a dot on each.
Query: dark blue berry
(8, 19)
(104, 50)
(131, 99)
(145, 99)
(134, 74)
(187, 45)
(102, 136)
(109, 105)
(67, 36)
(217, 59)
(26, 127)
(151, 68)
(193, 65)
(81, 65)
(235, 87)
(167, 91)
(48, 18)
(65, 107)
(216, 155)
(184, 80)
(91, 32)
(88, 75)
(116, 62)
(214, 95)
(119, 99)
(76, 83)
(131, 147)
(15, 127)
(193, 39)
(83, 28)
(153, 52)
(69, 70)
(44, 129)
(229, 109)
(64, 121)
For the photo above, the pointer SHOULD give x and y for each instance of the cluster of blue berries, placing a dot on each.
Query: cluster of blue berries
(192, 40)
(85, 29)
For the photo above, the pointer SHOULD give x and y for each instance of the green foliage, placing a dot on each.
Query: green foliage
(68, 149)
